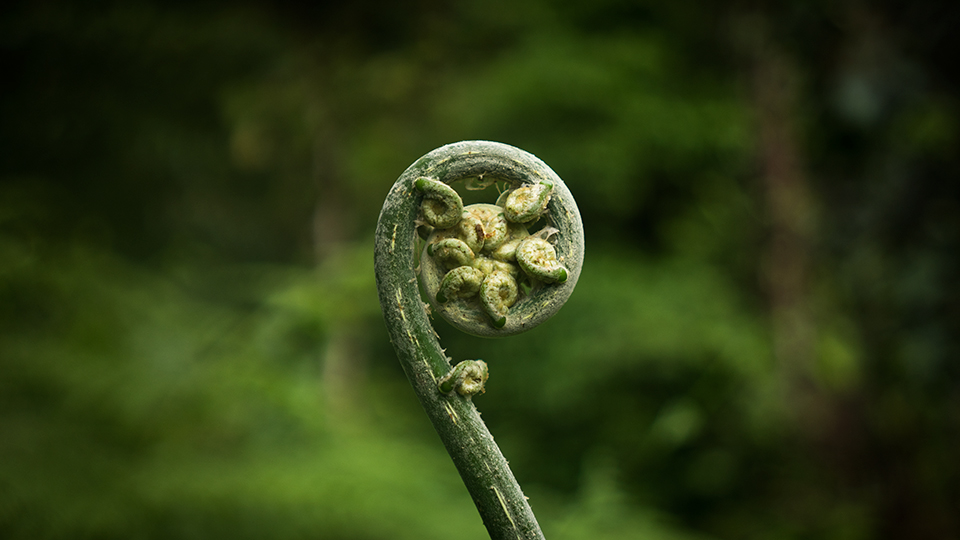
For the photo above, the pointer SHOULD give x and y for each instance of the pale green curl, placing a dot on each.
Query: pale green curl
(538, 258)
(498, 293)
(442, 206)
(452, 252)
(527, 204)
(467, 378)
(461, 282)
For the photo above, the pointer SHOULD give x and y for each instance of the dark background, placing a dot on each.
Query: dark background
(763, 343)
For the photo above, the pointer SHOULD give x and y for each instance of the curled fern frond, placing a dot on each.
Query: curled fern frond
(492, 270)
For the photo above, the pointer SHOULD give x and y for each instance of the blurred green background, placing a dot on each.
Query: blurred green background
(763, 343)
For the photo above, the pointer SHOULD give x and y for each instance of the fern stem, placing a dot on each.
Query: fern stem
(503, 508)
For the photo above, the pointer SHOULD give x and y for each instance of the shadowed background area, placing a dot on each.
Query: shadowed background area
(763, 343)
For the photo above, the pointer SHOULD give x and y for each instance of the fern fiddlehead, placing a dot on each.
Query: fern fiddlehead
(492, 271)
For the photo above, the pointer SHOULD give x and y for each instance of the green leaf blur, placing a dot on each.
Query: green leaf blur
(763, 342)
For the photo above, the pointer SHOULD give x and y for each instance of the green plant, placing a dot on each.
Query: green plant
(421, 205)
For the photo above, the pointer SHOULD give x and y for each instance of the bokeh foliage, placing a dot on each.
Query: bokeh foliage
(190, 343)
